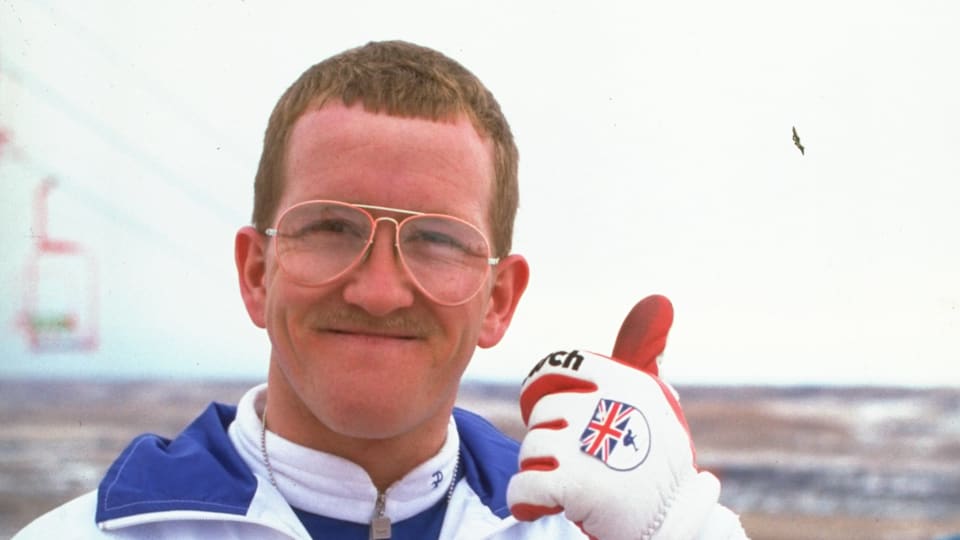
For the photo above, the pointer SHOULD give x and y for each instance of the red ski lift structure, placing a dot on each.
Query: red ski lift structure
(60, 309)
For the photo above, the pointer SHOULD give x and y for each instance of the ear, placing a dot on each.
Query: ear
(512, 275)
(250, 257)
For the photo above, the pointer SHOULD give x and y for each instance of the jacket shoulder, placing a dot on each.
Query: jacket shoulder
(73, 519)
(488, 459)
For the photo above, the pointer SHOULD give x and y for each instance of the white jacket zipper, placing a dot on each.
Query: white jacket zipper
(380, 524)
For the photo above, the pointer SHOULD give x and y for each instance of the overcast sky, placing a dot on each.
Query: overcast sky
(656, 156)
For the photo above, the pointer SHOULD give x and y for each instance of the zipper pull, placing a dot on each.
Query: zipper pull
(380, 524)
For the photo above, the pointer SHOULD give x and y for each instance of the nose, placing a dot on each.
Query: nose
(380, 285)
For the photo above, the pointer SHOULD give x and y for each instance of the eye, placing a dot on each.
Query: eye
(436, 239)
(442, 241)
(331, 227)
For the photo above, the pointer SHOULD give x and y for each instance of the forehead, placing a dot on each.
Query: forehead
(352, 155)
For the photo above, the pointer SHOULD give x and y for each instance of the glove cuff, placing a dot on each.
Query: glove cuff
(684, 517)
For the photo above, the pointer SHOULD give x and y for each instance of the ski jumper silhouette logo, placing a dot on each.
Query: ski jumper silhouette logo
(618, 435)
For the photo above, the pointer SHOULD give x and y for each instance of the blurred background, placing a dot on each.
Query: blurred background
(817, 289)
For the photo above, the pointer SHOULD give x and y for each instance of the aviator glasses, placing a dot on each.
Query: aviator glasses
(319, 241)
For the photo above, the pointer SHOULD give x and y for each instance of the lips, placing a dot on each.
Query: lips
(372, 333)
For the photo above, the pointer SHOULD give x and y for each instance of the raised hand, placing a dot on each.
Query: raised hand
(608, 444)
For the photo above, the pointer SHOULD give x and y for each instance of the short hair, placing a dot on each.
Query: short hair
(399, 79)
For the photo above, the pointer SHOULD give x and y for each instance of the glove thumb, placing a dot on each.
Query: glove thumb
(643, 334)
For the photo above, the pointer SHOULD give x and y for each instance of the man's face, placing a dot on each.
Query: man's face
(369, 355)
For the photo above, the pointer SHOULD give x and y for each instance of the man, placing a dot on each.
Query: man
(378, 260)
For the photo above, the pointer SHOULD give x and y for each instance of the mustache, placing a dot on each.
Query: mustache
(357, 320)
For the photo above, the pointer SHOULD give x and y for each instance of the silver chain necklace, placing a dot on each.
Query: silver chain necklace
(263, 448)
(380, 520)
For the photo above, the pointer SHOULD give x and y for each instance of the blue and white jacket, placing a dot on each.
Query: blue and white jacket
(211, 482)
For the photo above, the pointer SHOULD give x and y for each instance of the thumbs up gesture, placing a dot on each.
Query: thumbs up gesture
(607, 442)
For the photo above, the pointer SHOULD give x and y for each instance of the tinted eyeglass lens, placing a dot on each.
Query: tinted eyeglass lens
(448, 258)
(316, 242)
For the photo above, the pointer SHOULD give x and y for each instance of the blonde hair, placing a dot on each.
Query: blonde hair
(399, 79)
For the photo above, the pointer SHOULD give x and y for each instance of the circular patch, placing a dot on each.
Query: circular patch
(618, 435)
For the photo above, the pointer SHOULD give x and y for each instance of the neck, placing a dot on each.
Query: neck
(386, 459)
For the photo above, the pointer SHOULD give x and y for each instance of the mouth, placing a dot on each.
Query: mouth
(370, 333)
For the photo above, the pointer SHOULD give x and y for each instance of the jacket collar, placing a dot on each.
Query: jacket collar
(329, 485)
(199, 470)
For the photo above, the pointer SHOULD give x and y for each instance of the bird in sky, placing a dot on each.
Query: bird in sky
(796, 141)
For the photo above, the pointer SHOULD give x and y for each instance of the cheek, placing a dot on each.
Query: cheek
(284, 307)
(275, 299)
(463, 330)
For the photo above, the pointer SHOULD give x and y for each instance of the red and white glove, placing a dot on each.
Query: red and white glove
(608, 444)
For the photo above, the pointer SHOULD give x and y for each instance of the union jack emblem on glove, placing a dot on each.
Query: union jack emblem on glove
(617, 434)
